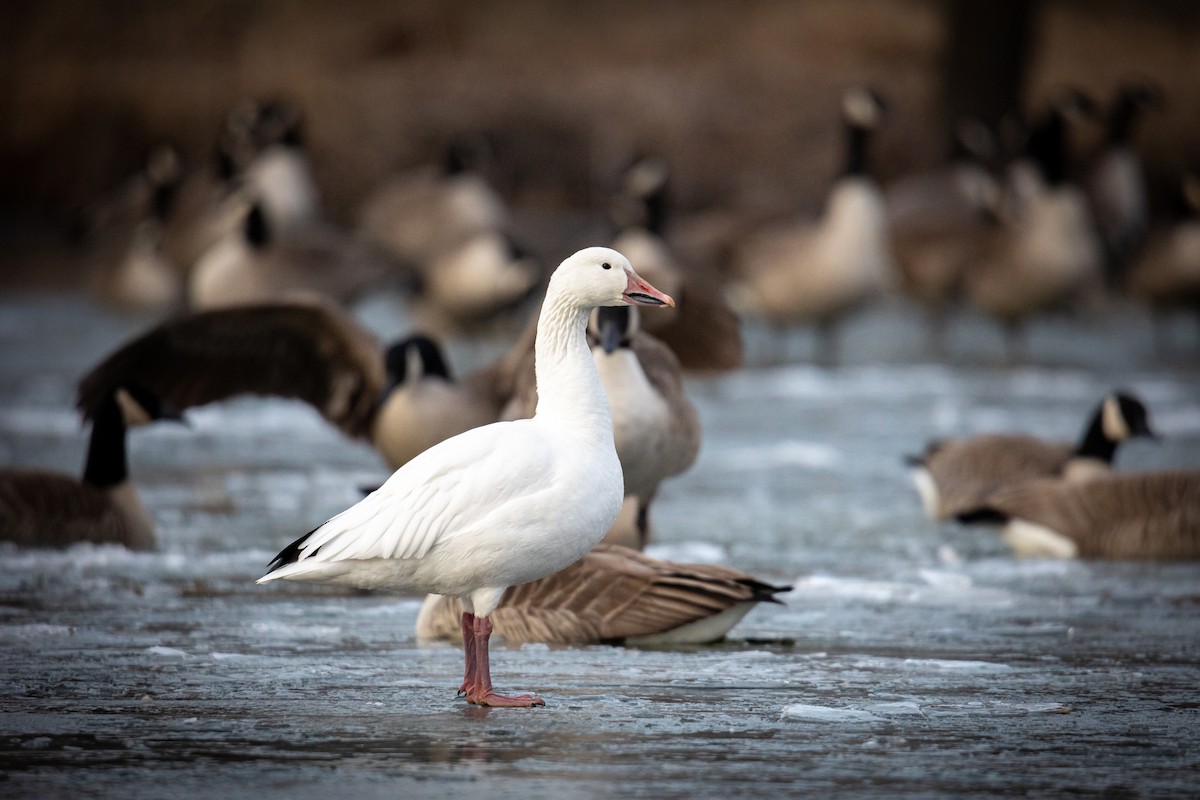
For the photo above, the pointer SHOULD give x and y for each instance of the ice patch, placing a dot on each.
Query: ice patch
(786, 453)
(955, 665)
(809, 713)
(41, 421)
(33, 631)
(166, 652)
(829, 586)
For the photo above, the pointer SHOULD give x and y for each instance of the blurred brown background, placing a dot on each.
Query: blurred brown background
(741, 96)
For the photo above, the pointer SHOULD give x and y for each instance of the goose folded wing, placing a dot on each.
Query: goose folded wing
(470, 482)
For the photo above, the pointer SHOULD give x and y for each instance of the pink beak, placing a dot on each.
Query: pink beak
(639, 293)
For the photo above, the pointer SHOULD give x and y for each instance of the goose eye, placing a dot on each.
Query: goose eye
(606, 265)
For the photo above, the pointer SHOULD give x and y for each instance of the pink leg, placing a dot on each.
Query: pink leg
(481, 693)
(468, 634)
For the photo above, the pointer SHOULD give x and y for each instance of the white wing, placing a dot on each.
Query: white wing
(443, 491)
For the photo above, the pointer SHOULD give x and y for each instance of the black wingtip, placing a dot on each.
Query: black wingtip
(291, 553)
(765, 592)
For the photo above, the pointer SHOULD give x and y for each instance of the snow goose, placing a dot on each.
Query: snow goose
(1140, 515)
(955, 477)
(656, 427)
(46, 509)
(499, 505)
(817, 273)
(615, 595)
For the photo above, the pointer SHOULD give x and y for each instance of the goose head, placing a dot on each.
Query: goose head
(863, 108)
(412, 359)
(141, 406)
(1123, 416)
(600, 276)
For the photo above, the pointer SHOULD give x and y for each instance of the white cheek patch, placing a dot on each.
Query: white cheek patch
(131, 410)
(1115, 427)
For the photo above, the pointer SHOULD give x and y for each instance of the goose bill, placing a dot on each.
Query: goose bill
(639, 293)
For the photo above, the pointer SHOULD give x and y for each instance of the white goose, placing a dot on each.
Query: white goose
(499, 505)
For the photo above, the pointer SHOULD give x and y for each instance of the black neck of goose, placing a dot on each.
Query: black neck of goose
(856, 150)
(656, 210)
(1121, 121)
(107, 464)
(1095, 444)
(1047, 146)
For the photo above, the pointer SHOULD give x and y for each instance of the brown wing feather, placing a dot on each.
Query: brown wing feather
(967, 471)
(611, 594)
(309, 350)
(1137, 515)
(45, 509)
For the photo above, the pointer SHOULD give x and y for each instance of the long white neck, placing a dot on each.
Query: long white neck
(568, 385)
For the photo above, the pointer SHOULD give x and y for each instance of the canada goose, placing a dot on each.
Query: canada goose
(123, 235)
(256, 263)
(306, 348)
(1044, 253)
(615, 595)
(1117, 183)
(937, 220)
(424, 405)
(421, 213)
(656, 427)
(1141, 515)
(1167, 276)
(703, 331)
(474, 283)
(276, 169)
(819, 272)
(47, 509)
(956, 476)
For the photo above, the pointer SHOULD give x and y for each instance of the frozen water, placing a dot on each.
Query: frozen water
(911, 659)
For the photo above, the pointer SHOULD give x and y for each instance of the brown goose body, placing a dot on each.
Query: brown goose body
(967, 471)
(307, 349)
(1150, 515)
(47, 509)
(615, 595)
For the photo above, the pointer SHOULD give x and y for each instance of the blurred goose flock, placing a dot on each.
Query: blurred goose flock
(855, 451)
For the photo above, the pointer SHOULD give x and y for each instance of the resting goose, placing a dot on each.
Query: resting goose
(256, 263)
(1167, 276)
(1117, 183)
(819, 272)
(1143, 515)
(47, 509)
(955, 477)
(655, 425)
(503, 504)
(1044, 253)
(614, 595)
(704, 331)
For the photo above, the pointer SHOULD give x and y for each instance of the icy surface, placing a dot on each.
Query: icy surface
(911, 659)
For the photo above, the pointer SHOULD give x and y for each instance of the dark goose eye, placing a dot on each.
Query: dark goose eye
(606, 265)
